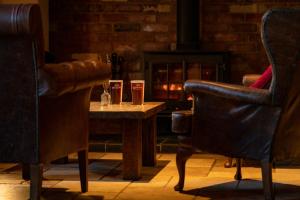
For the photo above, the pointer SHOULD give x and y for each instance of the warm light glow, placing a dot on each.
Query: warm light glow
(165, 87)
(173, 87)
(190, 98)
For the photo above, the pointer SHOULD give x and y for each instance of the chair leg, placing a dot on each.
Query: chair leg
(181, 157)
(238, 174)
(36, 174)
(266, 169)
(228, 163)
(26, 171)
(83, 163)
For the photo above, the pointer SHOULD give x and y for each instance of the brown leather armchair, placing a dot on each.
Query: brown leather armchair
(44, 107)
(241, 122)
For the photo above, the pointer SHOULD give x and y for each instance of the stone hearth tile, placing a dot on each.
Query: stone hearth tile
(213, 188)
(14, 192)
(6, 166)
(200, 162)
(68, 174)
(115, 175)
(103, 166)
(95, 155)
(166, 156)
(287, 170)
(96, 170)
(97, 190)
(251, 172)
(62, 174)
(161, 180)
(97, 196)
(11, 178)
(166, 163)
(150, 182)
(112, 156)
(106, 186)
(202, 198)
(197, 171)
(69, 186)
(196, 162)
(153, 171)
(293, 179)
(14, 169)
(154, 193)
(158, 155)
(208, 155)
(49, 183)
(190, 171)
(222, 174)
(45, 183)
(168, 171)
(192, 182)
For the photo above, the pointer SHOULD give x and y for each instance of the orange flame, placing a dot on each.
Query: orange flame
(172, 87)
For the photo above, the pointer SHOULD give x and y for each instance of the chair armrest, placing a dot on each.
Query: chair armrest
(58, 79)
(248, 79)
(229, 91)
(182, 122)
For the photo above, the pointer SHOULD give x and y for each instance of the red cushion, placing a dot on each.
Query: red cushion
(264, 79)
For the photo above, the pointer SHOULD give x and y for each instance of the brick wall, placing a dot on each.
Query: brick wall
(129, 27)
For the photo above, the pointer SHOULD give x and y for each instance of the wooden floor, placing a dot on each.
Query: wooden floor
(206, 178)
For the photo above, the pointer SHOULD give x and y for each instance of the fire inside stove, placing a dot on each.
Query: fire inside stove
(168, 80)
(172, 87)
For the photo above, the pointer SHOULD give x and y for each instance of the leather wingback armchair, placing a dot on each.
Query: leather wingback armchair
(44, 107)
(241, 122)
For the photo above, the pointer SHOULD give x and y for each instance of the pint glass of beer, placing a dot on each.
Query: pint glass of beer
(137, 91)
(116, 91)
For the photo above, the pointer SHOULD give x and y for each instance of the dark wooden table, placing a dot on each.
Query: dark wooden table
(139, 132)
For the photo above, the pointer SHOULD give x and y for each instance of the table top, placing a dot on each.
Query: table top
(125, 110)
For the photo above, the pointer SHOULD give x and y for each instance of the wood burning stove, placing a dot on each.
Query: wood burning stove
(166, 72)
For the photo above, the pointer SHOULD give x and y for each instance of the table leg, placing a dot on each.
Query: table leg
(132, 148)
(149, 141)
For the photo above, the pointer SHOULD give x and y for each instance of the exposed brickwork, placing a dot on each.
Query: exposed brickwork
(86, 27)
(129, 27)
(235, 25)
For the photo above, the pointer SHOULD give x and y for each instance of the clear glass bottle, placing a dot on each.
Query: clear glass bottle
(105, 96)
